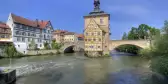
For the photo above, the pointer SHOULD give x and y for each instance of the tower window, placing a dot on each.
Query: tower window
(101, 21)
(94, 39)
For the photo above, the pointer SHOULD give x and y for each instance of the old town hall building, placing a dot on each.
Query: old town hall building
(97, 32)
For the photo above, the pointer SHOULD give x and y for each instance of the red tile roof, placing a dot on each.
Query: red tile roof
(22, 20)
(3, 25)
(60, 31)
(80, 36)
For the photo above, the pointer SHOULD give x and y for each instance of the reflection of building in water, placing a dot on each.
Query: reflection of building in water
(96, 71)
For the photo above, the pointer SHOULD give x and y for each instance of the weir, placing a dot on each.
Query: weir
(37, 67)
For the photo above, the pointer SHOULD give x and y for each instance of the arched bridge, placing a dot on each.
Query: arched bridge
(140, 43)
(75, 46)
(79, 46)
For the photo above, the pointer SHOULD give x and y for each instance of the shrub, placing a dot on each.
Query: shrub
(160, 65)
(145, 53)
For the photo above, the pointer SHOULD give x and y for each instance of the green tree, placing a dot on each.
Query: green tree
(46, 45)
(10, 50)
(142, 32)
(53, 44)
(133, 34)
(124, 37)
(158, 53)
(32, 45)
(58, 46)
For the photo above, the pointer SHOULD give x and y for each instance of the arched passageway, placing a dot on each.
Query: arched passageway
(126, 49)
(69, 49)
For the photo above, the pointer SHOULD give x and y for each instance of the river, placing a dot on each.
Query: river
(75, 68)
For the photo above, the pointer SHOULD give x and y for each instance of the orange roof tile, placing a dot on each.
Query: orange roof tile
(3, 25)
(18, 19)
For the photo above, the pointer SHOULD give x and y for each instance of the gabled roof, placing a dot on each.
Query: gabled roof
(93, 21)
(3, 25)
(21, 20)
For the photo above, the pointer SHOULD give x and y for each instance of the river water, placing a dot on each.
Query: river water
(77, 69)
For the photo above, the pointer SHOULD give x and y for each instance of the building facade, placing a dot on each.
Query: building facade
(58, 36)
(5, 36)
(5, 33)
(97, 31)
(70, 37)
(24, 31)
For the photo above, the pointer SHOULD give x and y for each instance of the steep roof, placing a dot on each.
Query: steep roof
(22, 20)
(3, 25)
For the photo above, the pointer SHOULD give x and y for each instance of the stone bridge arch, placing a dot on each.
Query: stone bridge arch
(140, 43)
(75, 46)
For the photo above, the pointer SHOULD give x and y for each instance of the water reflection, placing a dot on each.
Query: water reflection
(96, 71)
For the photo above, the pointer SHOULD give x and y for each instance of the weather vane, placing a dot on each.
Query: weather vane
(96, 4)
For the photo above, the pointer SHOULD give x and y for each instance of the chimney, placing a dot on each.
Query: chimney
(37, 23)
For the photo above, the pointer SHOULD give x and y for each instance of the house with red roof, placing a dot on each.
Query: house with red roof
(24, 31)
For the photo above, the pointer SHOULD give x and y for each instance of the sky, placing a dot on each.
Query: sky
(68, 14)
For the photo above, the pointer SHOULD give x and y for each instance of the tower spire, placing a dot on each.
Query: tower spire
(96, 5)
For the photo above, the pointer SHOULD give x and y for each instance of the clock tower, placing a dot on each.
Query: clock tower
(97, 32)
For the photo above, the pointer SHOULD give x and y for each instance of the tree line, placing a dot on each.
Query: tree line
(143, 31)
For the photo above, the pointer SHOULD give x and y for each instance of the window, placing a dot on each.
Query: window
(23, 33)
(101, 21)
(89, 39)
(99, 39)
(105, 46)
(44, 30)
(23, 39)
(94, 39)
(3, 36)
(18, 38)
(48, 31)
(99, 33)
(86, 33)
(40, 45)
(44, 36)
(92, 33)
(18, 45)
(85, 39)
(98, 46)
(28, 34)
(17, 32)
(36, 45)
(38, 40)
(91, 46)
